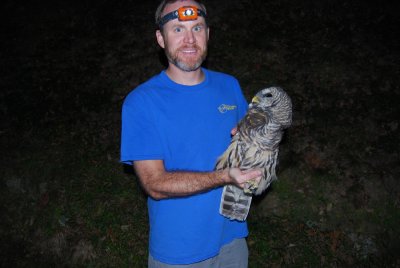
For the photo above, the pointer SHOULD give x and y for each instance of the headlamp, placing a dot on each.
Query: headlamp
(184, 13)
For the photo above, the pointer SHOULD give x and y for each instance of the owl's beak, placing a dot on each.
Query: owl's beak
(255, 99)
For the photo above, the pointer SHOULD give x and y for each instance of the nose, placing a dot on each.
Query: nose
(189, 37)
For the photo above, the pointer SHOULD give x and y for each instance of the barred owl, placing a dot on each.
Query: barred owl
(255, 145)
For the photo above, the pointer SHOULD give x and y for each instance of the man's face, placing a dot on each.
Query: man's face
(184, 42)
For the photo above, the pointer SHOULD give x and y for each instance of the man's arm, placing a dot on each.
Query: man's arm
(160, 184)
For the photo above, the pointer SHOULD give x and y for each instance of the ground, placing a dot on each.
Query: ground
(66, 68)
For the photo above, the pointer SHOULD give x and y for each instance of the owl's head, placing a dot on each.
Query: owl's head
(276, 102)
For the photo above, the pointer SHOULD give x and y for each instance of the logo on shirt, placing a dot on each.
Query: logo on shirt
(223, 108)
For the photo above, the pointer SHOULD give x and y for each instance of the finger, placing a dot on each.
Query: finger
(252, 173)
(234, 131)
(258, 179)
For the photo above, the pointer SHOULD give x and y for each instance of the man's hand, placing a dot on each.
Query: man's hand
(241, 178)
(234, 131)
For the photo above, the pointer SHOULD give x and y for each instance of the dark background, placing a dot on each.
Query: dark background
(67, 66)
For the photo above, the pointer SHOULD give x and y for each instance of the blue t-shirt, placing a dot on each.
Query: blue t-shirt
(188, 127)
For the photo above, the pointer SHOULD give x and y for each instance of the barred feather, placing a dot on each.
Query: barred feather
(255, 145)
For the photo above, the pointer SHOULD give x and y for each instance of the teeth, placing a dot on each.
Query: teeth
(189, 50)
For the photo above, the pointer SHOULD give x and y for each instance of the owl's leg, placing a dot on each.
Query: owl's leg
(250, 187)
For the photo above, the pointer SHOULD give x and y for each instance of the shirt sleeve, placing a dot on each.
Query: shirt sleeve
(140, 139)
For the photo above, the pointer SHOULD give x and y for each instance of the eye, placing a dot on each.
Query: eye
(267, 95)
(197, 28)
(178, 30)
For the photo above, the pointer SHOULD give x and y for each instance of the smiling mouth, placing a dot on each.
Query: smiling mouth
(189, 49)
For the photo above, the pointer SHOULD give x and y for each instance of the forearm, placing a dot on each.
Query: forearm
(175, 184)
(160, 184)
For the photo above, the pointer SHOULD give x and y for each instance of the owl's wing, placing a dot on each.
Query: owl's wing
(235, 203)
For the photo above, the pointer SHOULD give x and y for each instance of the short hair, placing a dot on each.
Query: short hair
(163, 4)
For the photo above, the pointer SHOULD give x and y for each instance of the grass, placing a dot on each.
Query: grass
(93, 214)
(90, 213)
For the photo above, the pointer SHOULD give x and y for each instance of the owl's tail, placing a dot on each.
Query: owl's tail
(235, 204)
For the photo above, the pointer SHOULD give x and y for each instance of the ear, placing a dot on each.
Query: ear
(208, 33)
(160, 39)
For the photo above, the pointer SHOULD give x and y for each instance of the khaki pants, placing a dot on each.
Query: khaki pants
(232, 255)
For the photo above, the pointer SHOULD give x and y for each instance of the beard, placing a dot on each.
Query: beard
(186, 63)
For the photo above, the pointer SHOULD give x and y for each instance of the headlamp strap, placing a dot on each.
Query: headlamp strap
(184, 13)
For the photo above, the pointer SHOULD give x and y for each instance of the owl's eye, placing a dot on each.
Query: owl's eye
(268, 95)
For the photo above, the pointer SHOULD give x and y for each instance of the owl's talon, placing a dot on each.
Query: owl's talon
(250, 187)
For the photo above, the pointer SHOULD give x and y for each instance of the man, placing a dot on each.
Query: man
(174, 127)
